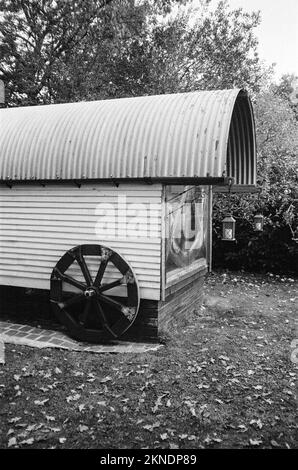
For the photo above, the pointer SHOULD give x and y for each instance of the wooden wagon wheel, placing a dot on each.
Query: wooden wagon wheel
(90, 313)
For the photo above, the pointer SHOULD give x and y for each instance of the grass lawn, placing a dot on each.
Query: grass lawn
(223, 380)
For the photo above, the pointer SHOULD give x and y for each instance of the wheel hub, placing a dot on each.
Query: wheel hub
(90, 292)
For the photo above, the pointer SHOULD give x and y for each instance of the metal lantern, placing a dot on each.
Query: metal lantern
(228, 228)
(258, 223)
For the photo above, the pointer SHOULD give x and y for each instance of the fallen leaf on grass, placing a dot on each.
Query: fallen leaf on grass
(50, 418)
(288, 392)
(28, 441)
(191, 407)
(14, 420)
(200, 386)
(255, 442)
(150, 427)
(242, 428)
(224, 358)
(12, 442)
(219, 401)
(33, 427)
(83, 428)
(102, 403)
(274, 443)
(73, 397)
(158, 403)
(41, 402)
(257, 422)
(106, 379)
(174, 446)
(77, 373)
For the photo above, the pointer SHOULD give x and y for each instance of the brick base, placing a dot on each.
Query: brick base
(181, 300)
(13, 333)
(33, 307)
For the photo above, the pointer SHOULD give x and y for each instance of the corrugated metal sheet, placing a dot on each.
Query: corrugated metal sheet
(179, 136)
(38, 225)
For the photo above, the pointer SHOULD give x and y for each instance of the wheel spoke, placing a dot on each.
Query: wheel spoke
(82, 263)
(72, 301)
(125, 312)
(109, 286)
(85, 314)
(113, 303)
(70, 280)
(103, 318)
(100, 272)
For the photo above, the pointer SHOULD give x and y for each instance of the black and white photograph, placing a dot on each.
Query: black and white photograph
(149, 229)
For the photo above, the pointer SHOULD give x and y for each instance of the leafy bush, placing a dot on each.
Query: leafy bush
(272, 250)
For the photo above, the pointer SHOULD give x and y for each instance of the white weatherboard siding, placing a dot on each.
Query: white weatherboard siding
(39, 224)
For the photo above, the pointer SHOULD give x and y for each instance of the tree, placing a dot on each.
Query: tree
(55, 51)
(203, 49)
(288, 90)
(35, 36)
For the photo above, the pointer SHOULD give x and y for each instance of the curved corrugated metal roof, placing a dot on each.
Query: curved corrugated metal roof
(198, 134)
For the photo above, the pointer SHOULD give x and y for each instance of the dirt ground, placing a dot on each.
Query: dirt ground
(226, 378)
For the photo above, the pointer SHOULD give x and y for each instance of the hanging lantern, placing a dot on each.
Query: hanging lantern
(228, 228)
(258, 223)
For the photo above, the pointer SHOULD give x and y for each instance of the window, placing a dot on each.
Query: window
(186, 228)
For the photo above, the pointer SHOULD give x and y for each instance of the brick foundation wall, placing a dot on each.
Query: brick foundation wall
(157, 316)
(182, 300)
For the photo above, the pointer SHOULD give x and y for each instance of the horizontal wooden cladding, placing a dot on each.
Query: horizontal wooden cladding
(39, 255)
(92, 194)
(54, 232)
(40, 283)
(39, 224)
(66, 218)
(46, 252)
(148, 278)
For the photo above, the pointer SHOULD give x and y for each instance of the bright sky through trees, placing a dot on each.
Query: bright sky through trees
(277, 33)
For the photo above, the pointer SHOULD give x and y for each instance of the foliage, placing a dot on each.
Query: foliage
(36, 37)
(56, 51)
(288, 90)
